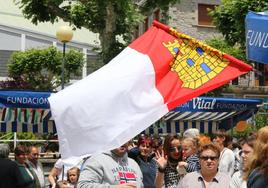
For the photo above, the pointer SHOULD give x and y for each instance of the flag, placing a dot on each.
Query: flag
(127, 177)
(158, 71)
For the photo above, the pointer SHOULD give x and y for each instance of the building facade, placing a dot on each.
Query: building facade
(19, 34)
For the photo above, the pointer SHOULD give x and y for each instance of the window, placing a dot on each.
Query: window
(203, 17)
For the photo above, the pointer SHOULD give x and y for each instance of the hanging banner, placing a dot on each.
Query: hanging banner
(257, 36)
(24, 99)
(207, 104)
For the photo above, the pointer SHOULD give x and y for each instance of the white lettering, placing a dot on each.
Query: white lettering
(26, 100)
(258, 39)
(202, 104)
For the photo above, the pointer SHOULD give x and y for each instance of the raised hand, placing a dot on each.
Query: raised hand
(161, 159)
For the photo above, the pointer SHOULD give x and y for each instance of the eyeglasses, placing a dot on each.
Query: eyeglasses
(206, 158)
(174, 149)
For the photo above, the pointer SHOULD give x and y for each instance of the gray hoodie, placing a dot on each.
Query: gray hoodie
(107, 170)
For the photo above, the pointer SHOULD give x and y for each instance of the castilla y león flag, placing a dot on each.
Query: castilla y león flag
(158, 71)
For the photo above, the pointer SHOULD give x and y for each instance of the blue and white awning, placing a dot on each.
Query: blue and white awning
(206, 114)
(24, 111)
(44, 127)
(180, 126)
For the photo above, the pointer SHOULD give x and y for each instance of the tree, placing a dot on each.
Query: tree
(229, 18)
(40, 69)
(115, 21)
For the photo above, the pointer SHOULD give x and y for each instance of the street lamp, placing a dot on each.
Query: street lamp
(64, 34)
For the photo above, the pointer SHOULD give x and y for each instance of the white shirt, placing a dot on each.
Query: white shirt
(39, 173)
(227, 161)
(66, 165)
(237, 181)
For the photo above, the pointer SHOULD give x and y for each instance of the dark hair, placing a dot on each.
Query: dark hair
(21, 149)
(4, 151)
(167, 143)
(157, 141)
(249, 141)
(212, 147)
(223, 134)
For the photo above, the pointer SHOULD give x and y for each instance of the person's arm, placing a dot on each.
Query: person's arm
(52, 176)
(162, 163)
(227, 162)
(159, 180)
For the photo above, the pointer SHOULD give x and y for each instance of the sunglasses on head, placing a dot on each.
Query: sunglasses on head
(173, 149)
(206, 158)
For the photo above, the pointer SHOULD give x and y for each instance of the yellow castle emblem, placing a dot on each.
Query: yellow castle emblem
(194, 62)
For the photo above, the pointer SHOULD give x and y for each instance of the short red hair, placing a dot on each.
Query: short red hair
(145, 140)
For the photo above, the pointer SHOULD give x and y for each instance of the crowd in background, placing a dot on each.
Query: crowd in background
(191, 160)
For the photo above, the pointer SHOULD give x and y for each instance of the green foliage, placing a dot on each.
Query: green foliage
(6, 136)
(224, 46)
(261, 119)
(115, 21)
(229, 18)
(26, 136)
(40, 69)
(242, 134)
(148, 6)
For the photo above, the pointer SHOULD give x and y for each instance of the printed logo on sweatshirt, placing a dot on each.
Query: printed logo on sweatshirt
(127, 177)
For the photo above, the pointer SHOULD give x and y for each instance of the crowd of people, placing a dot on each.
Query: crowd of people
(181, 162)
(26, 171)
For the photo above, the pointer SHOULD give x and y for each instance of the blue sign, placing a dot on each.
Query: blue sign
(206, 104)
(24, 99)
(257, 36)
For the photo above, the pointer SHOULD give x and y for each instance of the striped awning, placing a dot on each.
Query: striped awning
(198, 116)
(44, 127)
(180, 126)
(25, 111)
(26, 120)
(24, 115)
(206, 114)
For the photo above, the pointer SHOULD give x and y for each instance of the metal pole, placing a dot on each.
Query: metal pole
(15, 140)
(62, 67)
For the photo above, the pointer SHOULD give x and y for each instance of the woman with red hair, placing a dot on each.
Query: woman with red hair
(146, 160)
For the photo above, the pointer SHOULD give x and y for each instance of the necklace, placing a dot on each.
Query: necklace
(173, 165)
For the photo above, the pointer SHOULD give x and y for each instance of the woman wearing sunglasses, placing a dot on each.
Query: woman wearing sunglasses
(167, 160)
(208, 176)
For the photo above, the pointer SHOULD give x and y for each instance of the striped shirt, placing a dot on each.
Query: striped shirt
(193, 163)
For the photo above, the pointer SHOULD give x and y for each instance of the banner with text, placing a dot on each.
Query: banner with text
(24, 99)
(207, 104)
(257, 36)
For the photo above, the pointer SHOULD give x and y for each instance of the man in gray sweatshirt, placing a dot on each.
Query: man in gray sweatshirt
(111, 170)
